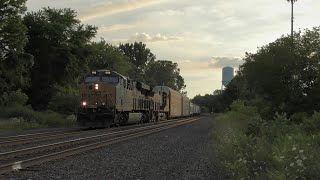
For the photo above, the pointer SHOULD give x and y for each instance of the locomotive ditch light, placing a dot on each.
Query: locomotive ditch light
(84, 103)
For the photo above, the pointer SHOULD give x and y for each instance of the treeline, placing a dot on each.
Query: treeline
(269, 121)
(282, 77)
(45, 54)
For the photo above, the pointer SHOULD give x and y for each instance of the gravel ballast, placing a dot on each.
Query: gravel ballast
(178, 153)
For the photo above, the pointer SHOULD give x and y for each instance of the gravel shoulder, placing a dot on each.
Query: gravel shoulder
(178, 153)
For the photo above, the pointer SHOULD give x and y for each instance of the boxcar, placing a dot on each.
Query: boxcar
(172, 102)
(185, 106)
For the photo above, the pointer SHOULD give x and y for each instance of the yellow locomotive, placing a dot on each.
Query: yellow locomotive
(108, 97)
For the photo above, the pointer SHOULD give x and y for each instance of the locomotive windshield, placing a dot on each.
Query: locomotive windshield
(102, 76)
(90, 79)
(111, 80)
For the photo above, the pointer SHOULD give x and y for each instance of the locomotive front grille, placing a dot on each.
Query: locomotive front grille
(98, 99)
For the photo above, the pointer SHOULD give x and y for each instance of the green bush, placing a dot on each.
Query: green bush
(26, 113)
(65, 100)
(312, 124)
(53, 119)
(255, 127)
(204, 109)
(64, 103)
(299, 117)
(295, 156)
(263, 106)
(239, 106)
(22, 118)
(17, 123)
(246, 157)
(239, 116)
(267, 149)
(15, 98)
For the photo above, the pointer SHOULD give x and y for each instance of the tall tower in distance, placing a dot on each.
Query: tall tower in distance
(227, 76)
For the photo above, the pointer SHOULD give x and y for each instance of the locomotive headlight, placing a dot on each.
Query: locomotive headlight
(84, 103)
(96, 86)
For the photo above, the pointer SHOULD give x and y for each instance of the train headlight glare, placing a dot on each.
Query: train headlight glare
(96, 86)
(84, 103)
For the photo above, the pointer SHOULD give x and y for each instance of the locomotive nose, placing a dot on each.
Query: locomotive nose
(98, 94)
(93, 86)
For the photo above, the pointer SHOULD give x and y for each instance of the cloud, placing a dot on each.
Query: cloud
(144, 37)
(220, 62)
(109, 8)
(171, 12)
(202, 65)
(193, 66)
(185, 61)
(116, 27)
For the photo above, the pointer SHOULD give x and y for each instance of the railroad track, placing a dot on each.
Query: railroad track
(45, 136)
(23, 158)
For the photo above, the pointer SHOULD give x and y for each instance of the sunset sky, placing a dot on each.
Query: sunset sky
(201, 36)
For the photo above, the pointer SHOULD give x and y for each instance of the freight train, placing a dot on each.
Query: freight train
(109, 98)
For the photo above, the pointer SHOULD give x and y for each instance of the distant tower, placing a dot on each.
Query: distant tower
(227, 76)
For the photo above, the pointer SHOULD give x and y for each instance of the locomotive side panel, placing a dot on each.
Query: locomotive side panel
(119, 96)
(129, 95)
(129, 98)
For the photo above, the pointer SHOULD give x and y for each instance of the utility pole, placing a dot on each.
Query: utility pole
(292, 21)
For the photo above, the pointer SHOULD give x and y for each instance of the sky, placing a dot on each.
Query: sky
(201, 36)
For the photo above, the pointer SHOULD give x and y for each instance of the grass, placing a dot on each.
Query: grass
(17, 118)
(249, 147)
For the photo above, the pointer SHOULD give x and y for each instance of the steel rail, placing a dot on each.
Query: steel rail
(35, 134)
(51, 135)
(10, 154)
(57, 155)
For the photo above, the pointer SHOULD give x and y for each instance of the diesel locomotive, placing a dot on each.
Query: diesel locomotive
(109, 98)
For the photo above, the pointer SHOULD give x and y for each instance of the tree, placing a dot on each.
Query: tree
(165, 73)
(213, 103)
(289, 84)
(15, 63)
(140, 56)
(61, 47)
(273, 81)
(107, 56)
(217, 92)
